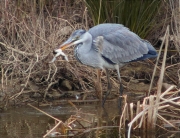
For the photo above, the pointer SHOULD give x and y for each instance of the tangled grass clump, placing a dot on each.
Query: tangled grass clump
(28, 34)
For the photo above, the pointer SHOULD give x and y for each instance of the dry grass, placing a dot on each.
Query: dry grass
(162, 109)
(27, 38)
(153, 105)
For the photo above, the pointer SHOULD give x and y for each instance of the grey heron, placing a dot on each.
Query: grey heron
(108, 46)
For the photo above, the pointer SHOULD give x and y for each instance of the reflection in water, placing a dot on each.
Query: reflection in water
(18, 123)
(26, 122)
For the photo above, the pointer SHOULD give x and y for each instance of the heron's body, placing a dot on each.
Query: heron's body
(117, 47)
(92, 58)
(109, 46)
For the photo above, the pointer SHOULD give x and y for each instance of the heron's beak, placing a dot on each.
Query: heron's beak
(66, 45)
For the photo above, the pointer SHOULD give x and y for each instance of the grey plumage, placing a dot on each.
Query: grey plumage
(109, 46)
(120, 45)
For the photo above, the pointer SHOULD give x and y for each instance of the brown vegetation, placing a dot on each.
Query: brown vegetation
(29, 32)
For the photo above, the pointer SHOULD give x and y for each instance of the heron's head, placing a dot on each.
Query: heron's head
(75, 38)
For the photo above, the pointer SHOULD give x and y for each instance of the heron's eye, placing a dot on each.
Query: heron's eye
(75, 38)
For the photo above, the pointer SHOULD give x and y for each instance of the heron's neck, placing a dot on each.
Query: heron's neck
(85, 46)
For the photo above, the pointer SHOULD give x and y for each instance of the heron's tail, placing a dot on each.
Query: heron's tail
(151, 52)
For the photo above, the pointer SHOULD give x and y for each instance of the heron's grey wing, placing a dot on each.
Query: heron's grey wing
(98, 44)
(121, 45)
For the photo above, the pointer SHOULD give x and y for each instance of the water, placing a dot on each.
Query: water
(26, 122)
(92, 121)
(17, 122)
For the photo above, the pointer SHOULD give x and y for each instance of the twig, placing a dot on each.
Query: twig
(17, 51)
(45, 113)
(160, 81)
(122, 115)
(52, 129)
(162, 118)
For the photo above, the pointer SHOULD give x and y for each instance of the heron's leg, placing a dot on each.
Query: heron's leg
(108, 87)
(121, 87)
